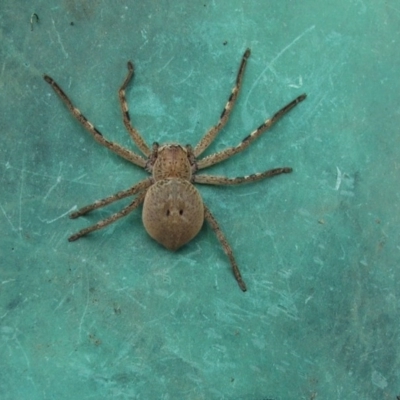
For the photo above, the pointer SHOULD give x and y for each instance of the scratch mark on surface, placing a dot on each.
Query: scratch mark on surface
(185, 79)
(166, 65)
(297, 85)
(86, 305)
(7, 281)
(4, 315)
(22, 351)
(316, 104)
(308, 299)
(58, 180)
(338, 179)
(50, 221)
(75, 180)
(2, 70)
(276, 249)
(131, 297)
(8, 219)
(59, 39)
(60, 303)
(21, 189)
(269, 65)
(233, 312)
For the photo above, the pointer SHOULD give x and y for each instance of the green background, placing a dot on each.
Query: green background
(115, 315)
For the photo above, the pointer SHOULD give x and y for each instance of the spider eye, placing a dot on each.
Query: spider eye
(167, 213)
(180, 212)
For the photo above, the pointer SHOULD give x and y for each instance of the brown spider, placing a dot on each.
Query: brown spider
(173, 210)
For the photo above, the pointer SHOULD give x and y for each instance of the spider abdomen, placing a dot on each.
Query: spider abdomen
(173, 212)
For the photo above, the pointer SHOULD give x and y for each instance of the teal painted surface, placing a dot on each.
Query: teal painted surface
(114, 315)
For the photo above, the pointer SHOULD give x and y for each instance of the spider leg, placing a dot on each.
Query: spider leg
(135, 135)
(97, 135)
(144, 184)
(114, 217)
(225, 245)
(223, 180)
(229, 152)
(209, 137)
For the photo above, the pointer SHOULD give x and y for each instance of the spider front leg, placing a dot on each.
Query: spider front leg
(225, 245)
(97, 135)
(224, 154)
(209, 137)
(101, 224)
(135, 135)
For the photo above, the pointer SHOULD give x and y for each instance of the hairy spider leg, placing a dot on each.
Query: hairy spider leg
(107, 221)
(209, 137)
(225, 245)
(135, 135)
(223, 180)
(97, 135)
(142, 185)
(229, 152)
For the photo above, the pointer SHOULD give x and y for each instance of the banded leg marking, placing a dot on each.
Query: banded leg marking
(107, 221)
(115, 197)
(225, 245)
(209, 137)
(224, 154)
(222, 180)
(135, 135)
(97, 135)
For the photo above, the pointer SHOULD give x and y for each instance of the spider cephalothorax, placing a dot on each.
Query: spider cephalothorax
(173, 210)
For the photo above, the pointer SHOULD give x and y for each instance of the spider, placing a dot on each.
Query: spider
(173, 210)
